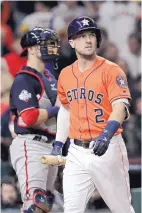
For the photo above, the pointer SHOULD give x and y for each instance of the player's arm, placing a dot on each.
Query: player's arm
(26, 101)
(119, 96)
(44, 115)
(63, 120)
(34, 116)
(120, 110)
(62, 133)
(118, 113)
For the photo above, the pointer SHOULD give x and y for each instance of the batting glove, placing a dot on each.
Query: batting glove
(57, 148)
(101, 142)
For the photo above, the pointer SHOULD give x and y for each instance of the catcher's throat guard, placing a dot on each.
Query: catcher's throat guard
(42, 202)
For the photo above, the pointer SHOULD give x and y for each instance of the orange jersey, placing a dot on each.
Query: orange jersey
(90, 94)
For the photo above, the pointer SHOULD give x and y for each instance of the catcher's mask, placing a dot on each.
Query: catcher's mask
(47, 41)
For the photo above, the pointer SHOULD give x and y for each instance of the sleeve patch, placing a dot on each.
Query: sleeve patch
(121, 81)
(25, 96)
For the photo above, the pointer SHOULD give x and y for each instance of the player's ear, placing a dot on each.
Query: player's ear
(71, 42)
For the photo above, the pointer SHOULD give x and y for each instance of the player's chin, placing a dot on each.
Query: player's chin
(89, 52)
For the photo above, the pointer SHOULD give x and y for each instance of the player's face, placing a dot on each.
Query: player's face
(50, 46)
(84, 43)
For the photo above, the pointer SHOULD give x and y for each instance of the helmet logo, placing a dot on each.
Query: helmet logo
(34, 36)
(85, 22)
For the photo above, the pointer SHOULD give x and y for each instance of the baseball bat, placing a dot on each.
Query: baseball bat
(53, 160)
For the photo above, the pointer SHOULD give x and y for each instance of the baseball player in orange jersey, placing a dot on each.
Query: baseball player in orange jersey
(95, 102)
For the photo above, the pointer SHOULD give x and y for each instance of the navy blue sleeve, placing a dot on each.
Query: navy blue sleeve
(23, 93)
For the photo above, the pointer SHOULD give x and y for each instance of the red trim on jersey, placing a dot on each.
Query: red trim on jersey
(40, 81)
(26, 166)
(30, 116)
(26, 109)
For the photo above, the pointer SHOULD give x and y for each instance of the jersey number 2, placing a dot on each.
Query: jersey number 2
(98, 115)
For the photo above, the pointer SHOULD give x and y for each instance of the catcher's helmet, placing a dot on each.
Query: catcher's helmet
(84, 23)
(40, 36)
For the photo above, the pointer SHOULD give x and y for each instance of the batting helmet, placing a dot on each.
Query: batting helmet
(84, 23)
(40, 36)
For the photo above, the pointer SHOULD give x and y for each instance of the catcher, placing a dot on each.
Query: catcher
(33, 103)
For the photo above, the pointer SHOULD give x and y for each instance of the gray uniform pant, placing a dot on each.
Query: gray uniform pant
(25, 158)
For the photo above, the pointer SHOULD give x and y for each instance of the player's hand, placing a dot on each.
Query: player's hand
(101, 144)
(57, 148)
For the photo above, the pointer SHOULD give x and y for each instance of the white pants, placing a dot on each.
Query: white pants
(85, 171)
(25, 158)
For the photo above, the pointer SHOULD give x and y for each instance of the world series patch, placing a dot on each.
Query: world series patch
(25, 95)
(121, 81)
